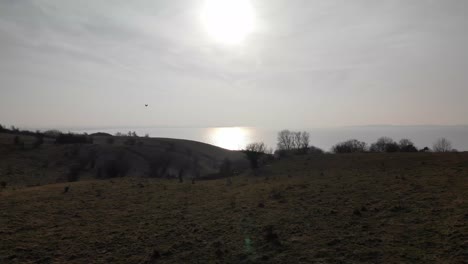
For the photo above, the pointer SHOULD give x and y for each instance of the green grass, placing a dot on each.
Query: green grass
(367, 208)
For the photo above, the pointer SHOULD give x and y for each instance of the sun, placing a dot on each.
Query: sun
(232, 138)
(228, 21)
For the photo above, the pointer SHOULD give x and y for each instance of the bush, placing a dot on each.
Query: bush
(385, 144)
(407, 145)
(315, 150)
(349, 146)
(254, 152)
(425, 149)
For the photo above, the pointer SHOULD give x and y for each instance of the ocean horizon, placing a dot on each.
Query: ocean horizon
(236, 138)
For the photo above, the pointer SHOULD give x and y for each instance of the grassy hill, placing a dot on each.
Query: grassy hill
(109, 157)
(358, 208)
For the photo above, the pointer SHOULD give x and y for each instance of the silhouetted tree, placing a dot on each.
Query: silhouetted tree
(304, 142)
(442, 145)
(407, 145)
(254, 152)
(349, 146)
(296, 139)
(285, 140)
(14, 129)
(425, 149)
(292, 140)
(384, 144)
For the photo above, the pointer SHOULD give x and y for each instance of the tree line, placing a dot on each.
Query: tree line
(388, 145)
(298, 143)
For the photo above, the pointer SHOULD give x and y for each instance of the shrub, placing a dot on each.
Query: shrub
(407, 145)
(349, 146)
(385, 144)
(254, 152)
(425, 149)
(315, 150)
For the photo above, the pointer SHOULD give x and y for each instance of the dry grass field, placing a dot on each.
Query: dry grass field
(359, 208)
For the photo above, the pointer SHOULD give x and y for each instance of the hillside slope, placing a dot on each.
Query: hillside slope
(124, 156)
(367, 208)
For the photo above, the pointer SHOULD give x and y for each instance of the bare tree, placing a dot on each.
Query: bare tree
(256, 147)
(254, 151)
(305, 136)
(285, 140)
(296, 138)
(442, 145)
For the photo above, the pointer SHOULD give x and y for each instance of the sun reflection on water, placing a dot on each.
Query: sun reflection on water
(233, 138)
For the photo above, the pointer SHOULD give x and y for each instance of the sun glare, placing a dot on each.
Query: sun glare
(233, 138)
(228, 21)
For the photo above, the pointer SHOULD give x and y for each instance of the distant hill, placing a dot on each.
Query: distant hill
(100, 134)
(108, 157)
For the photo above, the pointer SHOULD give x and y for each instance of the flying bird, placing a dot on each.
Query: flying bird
(146, 105)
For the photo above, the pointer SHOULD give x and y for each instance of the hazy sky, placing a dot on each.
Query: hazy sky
(305, 64)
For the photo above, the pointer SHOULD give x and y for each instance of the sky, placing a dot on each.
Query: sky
(303, 64)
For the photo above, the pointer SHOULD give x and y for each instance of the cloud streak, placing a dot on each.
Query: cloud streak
(323, 63)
